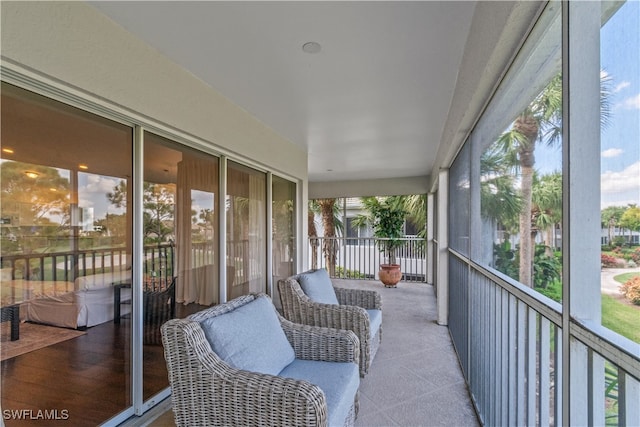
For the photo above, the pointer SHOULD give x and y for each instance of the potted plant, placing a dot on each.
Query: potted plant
(387, 218)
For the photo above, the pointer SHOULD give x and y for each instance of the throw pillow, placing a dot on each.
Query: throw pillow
(250, 338)
(317, 285)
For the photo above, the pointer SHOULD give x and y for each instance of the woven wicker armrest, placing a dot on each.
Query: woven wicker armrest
(299, 308)
(361, 297)
(325, 344)
(207, 391)
(350, 317)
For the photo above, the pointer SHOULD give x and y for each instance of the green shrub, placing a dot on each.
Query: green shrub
(505, 259)
(349, 274)
(552, 291)
(546, 269)
(618, 241)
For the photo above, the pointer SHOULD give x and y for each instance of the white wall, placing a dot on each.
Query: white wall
(369, 187)
(73, 45)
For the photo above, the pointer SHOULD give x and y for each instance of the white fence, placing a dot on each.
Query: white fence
(360, 257)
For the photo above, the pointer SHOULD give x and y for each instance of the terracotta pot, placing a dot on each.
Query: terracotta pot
(390, 274)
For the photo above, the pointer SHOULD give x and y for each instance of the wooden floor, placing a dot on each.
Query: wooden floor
(83, 381)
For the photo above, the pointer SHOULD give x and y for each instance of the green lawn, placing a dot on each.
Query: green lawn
(621, 278)
(621, 318)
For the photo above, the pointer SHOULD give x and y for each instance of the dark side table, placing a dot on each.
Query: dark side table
(11, 313)
(117, 288)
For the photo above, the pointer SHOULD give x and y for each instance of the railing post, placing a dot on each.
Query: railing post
(581, 210)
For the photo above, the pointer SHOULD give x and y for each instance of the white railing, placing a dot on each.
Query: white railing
(360, 257)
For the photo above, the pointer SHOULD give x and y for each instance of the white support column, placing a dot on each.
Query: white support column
(581, 207)
(443, 248)
(269, 239)
(431, 215)
(302, 226)
(136, 211)
(222, 227)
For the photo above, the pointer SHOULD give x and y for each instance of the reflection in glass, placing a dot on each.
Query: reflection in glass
(283, 231)
(246, 230)
(181, 243)
(65, 244)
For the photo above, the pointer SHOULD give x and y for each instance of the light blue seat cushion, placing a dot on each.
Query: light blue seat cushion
(375, 321)
(250, 338)
(338, 381)
(317, 286)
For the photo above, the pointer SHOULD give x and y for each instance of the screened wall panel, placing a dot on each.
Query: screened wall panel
(459, 202)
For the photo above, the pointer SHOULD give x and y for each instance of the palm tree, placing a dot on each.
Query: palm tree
(313, 232)
(329, 212)
(611, 219)
(547, 206)
(540, 121)
(500, 201)
(416, 207)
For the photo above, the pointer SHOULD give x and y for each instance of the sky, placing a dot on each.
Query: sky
(620, 140)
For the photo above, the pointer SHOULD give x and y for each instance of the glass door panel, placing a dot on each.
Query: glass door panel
(283, 231)
(66, 245)
(181, 244)
(246, 230)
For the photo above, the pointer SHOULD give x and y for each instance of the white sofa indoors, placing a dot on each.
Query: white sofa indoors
(89, 303)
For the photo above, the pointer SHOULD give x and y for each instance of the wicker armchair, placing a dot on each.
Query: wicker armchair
(207, 391)
(355, 311)
(159, 306)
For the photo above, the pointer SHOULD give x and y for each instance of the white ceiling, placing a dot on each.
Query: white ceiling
(371, 104)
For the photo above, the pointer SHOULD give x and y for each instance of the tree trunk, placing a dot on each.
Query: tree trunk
(329, 243)
(610, 232)
(313, 238)
(528, 127)
(550, 242)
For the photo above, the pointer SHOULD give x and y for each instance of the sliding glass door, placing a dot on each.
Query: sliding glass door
(66, 237)
(70, 280)
(180, 226)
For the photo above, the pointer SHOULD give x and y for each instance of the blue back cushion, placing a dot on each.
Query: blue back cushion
(375, 321)
(250, 338)
(317, 286)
